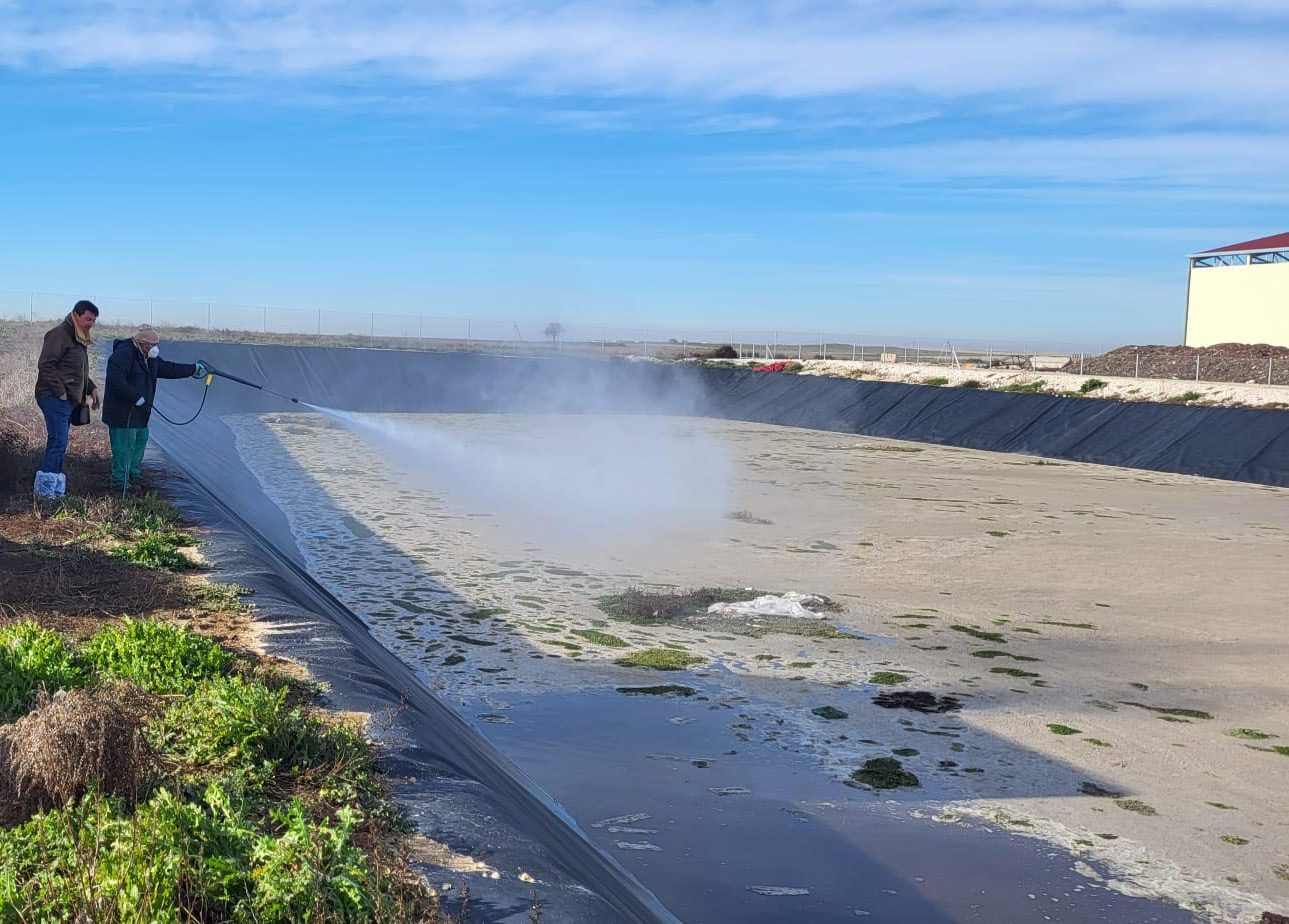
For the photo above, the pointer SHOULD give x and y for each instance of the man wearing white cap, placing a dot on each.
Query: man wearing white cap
(132, 374)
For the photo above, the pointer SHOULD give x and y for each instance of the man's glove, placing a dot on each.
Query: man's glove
(200, 372)
(140, 402)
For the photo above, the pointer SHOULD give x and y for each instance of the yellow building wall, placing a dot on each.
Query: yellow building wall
(1238, 304)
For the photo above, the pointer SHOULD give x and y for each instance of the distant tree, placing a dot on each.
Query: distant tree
(554, 330)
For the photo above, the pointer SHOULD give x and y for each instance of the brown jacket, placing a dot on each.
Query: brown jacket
(63, 370)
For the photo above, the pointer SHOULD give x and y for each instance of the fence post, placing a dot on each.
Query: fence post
(1268, 370)
(1081, 357)
(646, 342)
(919, 348)
(318, 323)
(853, 353)
(264, 319)
(823, 354)
(604, 337)
(151, 313)
(1136, 371)
(989, 363)
(1197, 367)
(469, 334)
(31, 306)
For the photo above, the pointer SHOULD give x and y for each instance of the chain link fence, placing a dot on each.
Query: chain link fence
(211, 320)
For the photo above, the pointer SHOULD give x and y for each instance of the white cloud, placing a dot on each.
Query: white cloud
(1195, 56)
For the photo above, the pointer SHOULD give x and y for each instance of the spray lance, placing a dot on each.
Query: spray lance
(211, 373)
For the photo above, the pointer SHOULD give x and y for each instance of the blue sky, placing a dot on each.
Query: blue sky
(988, 168)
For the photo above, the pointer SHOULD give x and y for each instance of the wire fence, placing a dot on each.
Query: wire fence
(212, 320)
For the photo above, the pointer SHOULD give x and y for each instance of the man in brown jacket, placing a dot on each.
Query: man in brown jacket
(62, 382)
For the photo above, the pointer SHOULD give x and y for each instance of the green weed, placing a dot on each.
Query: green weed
(660, 659)
(157, 656)
(1091, 385)
(31, 659)
(597, 637)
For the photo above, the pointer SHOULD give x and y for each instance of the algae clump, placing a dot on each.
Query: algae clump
(883, 773)
(660, 659)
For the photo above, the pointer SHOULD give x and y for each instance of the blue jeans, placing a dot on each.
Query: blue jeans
(58, 420)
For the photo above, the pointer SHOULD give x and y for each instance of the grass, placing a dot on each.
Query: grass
(1029, 388)
(1185, 397)
(884, 773)
(210, 597)
(937, 380)
(1058, 729)
(596, 637)
(1091, 385)
(1251, 734)
(660, 659)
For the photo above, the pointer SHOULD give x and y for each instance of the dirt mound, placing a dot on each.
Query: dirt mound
(1222, 362)
(70, 742)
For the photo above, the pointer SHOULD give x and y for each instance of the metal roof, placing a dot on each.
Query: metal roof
(1274, 242)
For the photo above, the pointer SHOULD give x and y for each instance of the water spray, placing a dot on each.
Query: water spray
(211, 373)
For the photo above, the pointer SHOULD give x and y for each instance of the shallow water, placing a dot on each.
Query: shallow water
(486, 610)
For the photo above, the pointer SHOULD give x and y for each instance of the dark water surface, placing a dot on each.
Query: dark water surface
(776, 822)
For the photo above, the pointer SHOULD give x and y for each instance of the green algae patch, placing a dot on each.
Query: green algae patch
(800, 664)
(453, 660)
(1221, 805)
(906, 752)
(660, 659)
(888, 678)
(1058, 729)
(829, 712)
(1175, 713)
(980, 634)
(883, 773)
(654, 608)
(596, 637)
(665, 689)
(994, 653)
(1135, 805)
(1097, 742)
(1012, 672)
(1233, 839)
(467, 640)
(1068, 625)
(1251, 734)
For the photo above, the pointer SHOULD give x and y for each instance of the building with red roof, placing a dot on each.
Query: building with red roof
(1239, 293)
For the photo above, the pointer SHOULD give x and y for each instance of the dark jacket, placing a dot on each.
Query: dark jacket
(131, 376)
(63, 370)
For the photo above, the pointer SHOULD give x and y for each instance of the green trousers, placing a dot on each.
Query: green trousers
(128, 444)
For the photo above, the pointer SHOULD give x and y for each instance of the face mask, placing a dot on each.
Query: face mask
(154, 352)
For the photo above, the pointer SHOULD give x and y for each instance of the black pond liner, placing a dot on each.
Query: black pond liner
(1225, 443)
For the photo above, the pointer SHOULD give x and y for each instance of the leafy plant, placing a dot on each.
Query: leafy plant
(157, 656)
(1091, 385)
(31, 659)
